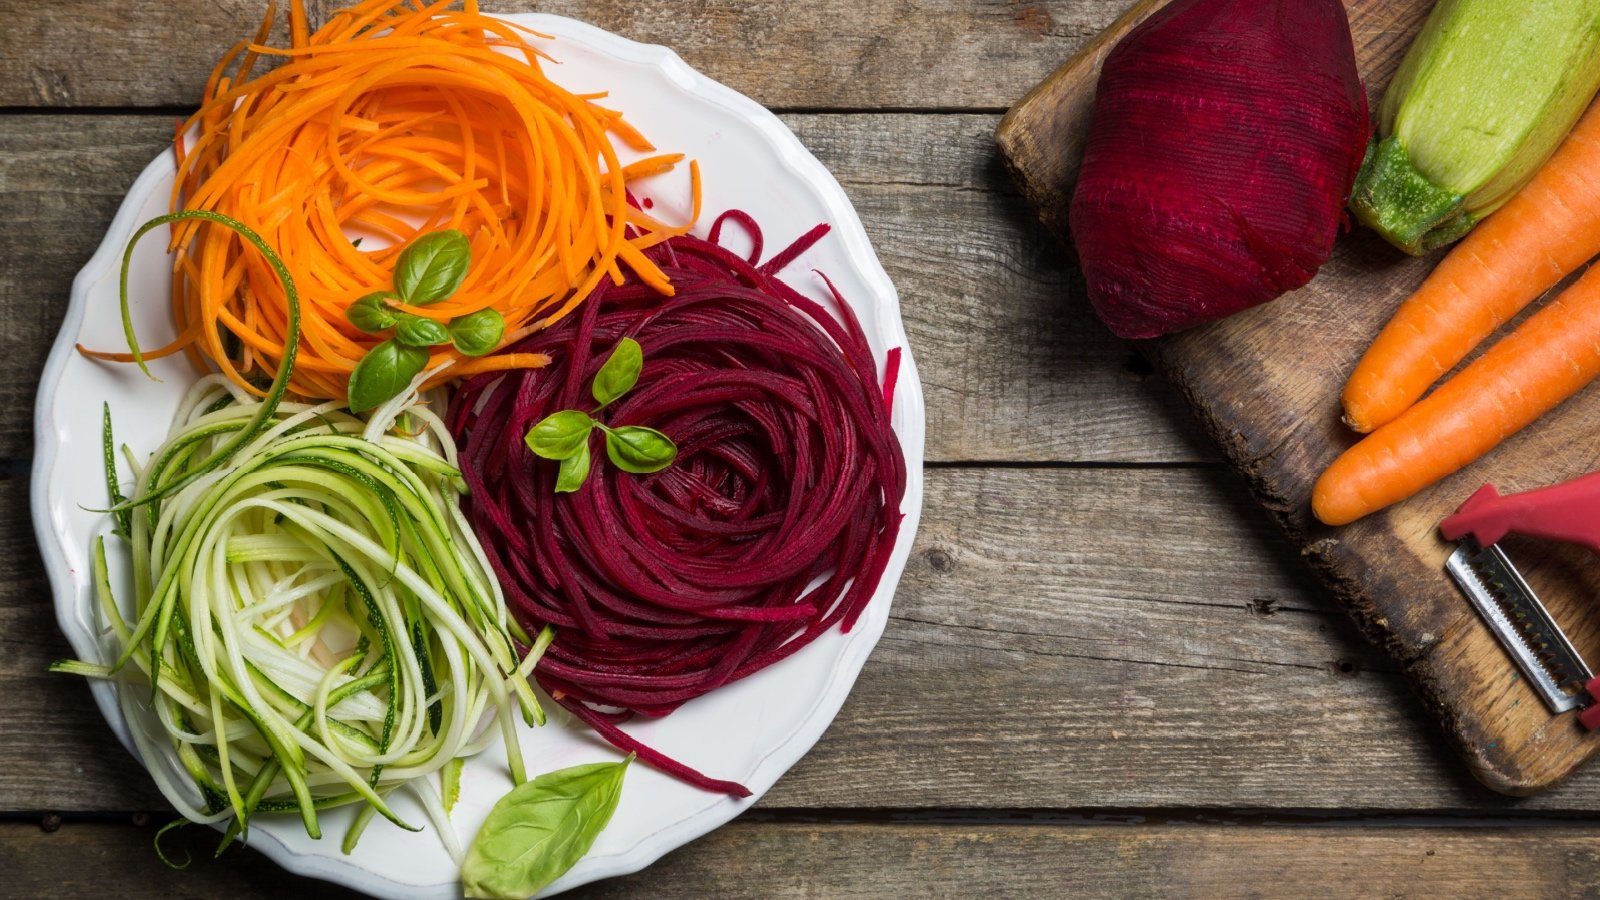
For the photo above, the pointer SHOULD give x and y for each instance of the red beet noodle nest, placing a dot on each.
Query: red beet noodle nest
(773, 525)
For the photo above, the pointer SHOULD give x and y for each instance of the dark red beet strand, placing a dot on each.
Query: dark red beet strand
(1224, 139)
(664, 587)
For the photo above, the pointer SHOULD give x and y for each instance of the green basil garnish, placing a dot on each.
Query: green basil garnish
(560, 435)
(420, 331)
(540, 829)
(564, 435)
(574, 470)
(640, 450)
(619, 373)
(431, 267)
(476, 334)
(383, 373)
(373, 313)
(428, 270)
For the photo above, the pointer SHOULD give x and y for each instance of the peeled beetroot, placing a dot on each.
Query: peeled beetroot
(1225, 137)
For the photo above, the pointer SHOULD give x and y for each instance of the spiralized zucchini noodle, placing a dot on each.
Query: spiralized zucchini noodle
(314, 623)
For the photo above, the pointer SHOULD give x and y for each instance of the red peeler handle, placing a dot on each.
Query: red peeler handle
(1568, 512)
(1590, 717)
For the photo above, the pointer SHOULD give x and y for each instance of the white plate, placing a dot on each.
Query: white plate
(750, 732)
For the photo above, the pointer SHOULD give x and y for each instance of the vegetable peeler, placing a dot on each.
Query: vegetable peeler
(1567, 512)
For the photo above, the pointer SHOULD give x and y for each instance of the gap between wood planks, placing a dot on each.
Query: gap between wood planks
(987, 818)
(749, 858)
(888, 860)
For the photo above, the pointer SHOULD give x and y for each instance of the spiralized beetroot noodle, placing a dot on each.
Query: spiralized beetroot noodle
(664, 587)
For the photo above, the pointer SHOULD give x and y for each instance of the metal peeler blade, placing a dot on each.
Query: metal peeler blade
(1522, 623)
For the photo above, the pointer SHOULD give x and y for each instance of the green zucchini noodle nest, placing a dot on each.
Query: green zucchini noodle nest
(314, 623)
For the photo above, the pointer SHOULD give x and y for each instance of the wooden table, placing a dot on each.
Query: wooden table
(1105, 672)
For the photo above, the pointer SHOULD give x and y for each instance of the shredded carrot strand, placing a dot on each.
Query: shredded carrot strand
(390, 121)
(500, 362)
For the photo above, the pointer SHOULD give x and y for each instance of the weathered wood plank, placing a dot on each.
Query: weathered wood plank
(771, 859)
(1013, 364)
(838, 54)
(88, 53)
(1063, 638)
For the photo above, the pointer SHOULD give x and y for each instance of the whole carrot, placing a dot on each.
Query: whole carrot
(1549, 229)
(1547, 359)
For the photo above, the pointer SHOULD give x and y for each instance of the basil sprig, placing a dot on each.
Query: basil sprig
(430, 269)
(564, 435)
(540, 829)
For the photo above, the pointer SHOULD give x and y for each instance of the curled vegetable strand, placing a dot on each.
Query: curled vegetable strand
(313, 623)
(772, 524)
(389, 122)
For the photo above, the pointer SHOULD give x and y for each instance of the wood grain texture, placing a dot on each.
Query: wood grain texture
(89, 53)
(1014, 366)
(786, 860)
(822, 54)
(1026, 664)
(1265, 385)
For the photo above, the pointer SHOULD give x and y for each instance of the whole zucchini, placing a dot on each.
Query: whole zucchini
(1484, 95)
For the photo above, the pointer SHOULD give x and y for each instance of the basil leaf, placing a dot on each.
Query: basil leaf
(373, 313)
(619, 373)
(420, 331)
(640, 450)
(560, 435)
(478, 333)
(540, 829)
(574, 470)
(383, 373)
(431, 267)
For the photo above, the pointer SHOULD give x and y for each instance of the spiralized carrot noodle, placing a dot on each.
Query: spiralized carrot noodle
(391, 121)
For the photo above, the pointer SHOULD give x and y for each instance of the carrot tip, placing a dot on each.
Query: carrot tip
(1355, 424)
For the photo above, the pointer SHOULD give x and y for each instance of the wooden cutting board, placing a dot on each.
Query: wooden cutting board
(1265, 384)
